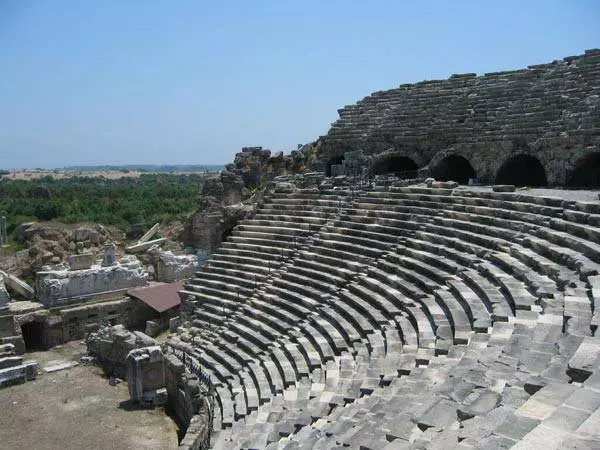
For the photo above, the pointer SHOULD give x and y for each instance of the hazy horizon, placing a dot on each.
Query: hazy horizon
(116, 83)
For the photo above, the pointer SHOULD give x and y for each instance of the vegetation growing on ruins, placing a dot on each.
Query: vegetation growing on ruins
(122, 202)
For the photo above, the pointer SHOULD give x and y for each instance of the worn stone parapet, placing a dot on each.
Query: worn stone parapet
(171, 268)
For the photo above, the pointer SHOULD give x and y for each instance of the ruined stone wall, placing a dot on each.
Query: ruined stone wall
(62, 287)
(550, 111)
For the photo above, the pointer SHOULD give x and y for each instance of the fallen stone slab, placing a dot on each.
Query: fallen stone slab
(148, 235)
(61, 366)
(19, 286)
(143, 246)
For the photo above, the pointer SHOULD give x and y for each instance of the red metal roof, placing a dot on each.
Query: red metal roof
(160, 298)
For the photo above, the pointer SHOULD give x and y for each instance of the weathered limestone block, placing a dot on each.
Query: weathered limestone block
(80, 262)
(110, 256)
(171, 268)
(146, 376)
(17, 285)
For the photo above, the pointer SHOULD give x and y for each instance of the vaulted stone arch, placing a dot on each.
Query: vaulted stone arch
(522, 170)
(453, 167)
(586, 172)
(333, 161)
(394, 163)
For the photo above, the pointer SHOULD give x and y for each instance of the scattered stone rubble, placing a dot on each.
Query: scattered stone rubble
(111, 345)
(13, 369)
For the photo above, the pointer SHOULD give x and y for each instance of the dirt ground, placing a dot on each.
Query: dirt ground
(77, 408)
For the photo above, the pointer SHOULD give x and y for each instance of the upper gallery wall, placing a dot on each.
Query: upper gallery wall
(535, 126)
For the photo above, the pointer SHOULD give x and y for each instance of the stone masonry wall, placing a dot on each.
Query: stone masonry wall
(550, 111)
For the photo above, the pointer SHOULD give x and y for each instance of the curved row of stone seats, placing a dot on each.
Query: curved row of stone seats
(376, 308)
(540, 282)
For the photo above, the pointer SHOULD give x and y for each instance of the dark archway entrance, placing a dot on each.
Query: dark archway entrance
(398, 165)
(226, 233)
(586, 173)
(454, 168)
(336, 160)
(33, 335)
(522, 170)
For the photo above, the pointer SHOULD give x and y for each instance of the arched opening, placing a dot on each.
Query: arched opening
(333, 164)
(522, 170)
(398, 165)
(33, 333)
(454, 168)
(586, 173)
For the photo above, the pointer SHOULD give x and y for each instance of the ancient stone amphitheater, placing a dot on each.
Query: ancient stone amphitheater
(402, 317)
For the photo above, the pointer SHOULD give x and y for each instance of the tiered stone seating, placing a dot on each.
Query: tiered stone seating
(402, 318)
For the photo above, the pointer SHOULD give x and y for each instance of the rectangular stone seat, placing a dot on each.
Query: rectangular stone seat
(257, 324)
(308, 350)
(495, 302)
(424, 283)
(257, 373)
(274, 307)
(262, 216)
(273, 375)
(226, 406)
(301, 367)
(257, 248)
(232, 273)
(245, 255)
(286, 369)
(308, 286)
(353, 316)
(376, 301)
(251, 335)
(333, 336)
(347, 250)
(224, 263)
(273, 322)
(374, 315)
(268, 243)
(296, 302)
(344, 266)
(319, 342)
(348, 331)
(282, 231)
(328, 280)
(225, 283)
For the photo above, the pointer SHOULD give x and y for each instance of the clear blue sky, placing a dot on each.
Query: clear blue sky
(115, 82)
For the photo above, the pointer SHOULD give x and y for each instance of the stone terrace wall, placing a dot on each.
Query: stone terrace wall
(551, 111)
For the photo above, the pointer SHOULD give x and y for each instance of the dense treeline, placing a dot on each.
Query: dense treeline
(123, 202)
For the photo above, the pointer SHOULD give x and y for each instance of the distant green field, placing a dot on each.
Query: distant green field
(121, 202)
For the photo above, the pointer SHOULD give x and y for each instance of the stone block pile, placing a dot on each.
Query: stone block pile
(13, 369)
(406, 317)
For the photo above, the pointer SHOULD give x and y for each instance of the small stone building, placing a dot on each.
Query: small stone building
(153, 307)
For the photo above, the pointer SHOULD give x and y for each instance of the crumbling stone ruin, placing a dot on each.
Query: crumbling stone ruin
(83, 279)
(534, 126)
(146, 376)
